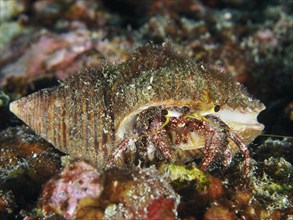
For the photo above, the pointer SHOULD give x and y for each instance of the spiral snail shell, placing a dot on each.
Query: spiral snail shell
(93, 110)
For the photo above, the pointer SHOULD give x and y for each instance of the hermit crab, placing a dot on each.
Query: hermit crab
(158, 105)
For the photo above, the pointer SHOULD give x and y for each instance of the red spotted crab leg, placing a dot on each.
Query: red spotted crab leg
(227, 154)
(237, 140)
(157, 138)
(217, 140)
(212, 145)
(117, 153)
(153, 136)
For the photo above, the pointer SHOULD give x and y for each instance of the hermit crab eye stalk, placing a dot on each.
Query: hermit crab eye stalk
(217, 108)
(171, 113)
(168, 114)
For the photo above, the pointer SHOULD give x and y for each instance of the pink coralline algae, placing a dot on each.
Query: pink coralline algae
(81, 192)
(76, 182)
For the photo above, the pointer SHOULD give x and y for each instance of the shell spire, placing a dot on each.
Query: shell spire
(33, 109)
(72, 116)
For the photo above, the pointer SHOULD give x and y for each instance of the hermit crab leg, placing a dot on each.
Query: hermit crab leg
(117, 153)
(213, 141)
(158, 140)
(162, 146)
(237, 140)
(227, 155)
(227, 152)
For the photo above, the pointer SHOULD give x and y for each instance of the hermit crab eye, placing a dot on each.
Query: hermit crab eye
(185, 109)
(217, 108)
(164, 112)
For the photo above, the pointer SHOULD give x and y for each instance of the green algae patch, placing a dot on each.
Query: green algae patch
(181, 175)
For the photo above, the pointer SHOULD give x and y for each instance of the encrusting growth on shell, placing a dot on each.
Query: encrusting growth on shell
(93, 111)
